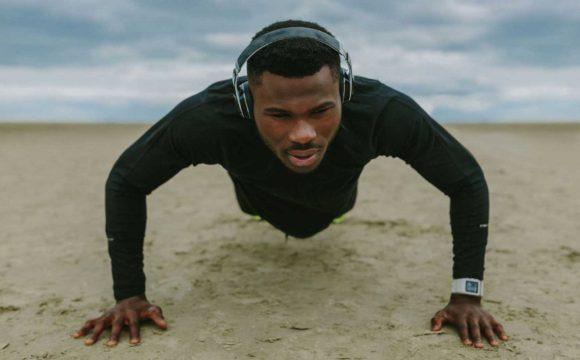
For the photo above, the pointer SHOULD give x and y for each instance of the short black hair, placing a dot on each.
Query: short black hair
(296, 57)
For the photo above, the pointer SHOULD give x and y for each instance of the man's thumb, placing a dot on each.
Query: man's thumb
(160, 322)
(436, 323)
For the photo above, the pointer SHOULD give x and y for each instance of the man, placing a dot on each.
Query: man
(295, 162)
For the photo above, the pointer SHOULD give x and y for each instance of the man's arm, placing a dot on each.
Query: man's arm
(187, 135)
(412, 135)
(406, 131)
(180, 139)
(149, 162)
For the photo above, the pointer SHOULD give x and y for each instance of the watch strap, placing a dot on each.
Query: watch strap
(467, 286)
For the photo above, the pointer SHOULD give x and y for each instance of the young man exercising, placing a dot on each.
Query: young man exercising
(294, 137)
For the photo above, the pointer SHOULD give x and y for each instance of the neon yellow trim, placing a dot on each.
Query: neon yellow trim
(338, 220)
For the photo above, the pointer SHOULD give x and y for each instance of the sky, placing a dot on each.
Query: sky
(133, 61)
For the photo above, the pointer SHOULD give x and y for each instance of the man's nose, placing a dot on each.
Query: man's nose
(302, 133)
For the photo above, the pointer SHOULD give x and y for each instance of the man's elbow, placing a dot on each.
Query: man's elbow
(475, 182)
(117, 183)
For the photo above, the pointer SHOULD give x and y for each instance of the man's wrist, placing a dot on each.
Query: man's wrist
(467, 286)
(124, 293)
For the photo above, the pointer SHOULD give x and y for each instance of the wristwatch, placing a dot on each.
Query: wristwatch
(467, 286)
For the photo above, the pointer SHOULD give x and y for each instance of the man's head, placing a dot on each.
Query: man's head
(296, 101)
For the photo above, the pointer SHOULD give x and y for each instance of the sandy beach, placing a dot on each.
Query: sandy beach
(233, 288)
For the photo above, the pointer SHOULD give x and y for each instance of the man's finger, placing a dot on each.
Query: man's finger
(156, 315)
(115, 331)
(84, 329)
(133, 328)
(488, 333)
(475, 333)
(499, 331)
(158, 320)
(462, 330)
(437, 321)
(99, 327)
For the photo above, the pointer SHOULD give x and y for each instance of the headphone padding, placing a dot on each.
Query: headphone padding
(246, 100)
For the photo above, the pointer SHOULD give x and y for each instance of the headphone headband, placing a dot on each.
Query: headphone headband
(287, 33)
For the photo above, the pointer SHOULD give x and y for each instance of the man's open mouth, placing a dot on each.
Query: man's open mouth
(303, 158)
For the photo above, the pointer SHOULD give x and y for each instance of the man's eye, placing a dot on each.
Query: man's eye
(285, 115)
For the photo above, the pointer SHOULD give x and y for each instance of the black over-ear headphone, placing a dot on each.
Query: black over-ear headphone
(242, 91)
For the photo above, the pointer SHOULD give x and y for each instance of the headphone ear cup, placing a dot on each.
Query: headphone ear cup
(341, 84)
(246, 101)
(345, 93)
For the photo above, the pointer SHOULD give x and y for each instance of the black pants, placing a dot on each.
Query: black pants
(292, 219)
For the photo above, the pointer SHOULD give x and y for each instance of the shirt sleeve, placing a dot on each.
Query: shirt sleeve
(159, 154)
(406, 131)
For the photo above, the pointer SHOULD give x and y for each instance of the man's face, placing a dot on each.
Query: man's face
(298, 117)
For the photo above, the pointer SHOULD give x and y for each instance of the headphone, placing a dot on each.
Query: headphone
(242, 93)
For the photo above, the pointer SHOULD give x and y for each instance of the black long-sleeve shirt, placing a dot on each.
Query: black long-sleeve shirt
(206, 128)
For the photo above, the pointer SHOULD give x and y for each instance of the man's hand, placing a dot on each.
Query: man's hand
(466, 313)
(126, 312)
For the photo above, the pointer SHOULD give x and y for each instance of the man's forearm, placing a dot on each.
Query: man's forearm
(469, 213)
(126, 217)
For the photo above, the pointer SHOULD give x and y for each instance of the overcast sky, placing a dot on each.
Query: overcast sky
(114, 60)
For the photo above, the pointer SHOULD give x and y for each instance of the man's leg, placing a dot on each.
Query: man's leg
(293, 219)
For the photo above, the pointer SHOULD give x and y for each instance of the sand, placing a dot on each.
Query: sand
(232, 288)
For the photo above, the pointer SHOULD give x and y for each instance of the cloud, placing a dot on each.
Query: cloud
(228, 40)
(461, 60)
(157, 83)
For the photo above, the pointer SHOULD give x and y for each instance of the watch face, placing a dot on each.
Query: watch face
(471, 286)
